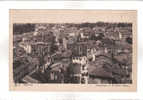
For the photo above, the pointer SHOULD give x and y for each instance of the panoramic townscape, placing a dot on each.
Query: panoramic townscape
(69, 53)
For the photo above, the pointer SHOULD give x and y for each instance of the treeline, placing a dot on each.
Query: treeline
(23, 28)
(99, 24)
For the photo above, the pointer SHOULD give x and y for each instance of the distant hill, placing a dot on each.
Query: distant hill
(23, 28)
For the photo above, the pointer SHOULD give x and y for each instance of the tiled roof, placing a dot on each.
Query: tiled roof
(101, 72)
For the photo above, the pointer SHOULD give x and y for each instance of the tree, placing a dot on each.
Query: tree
(129, 40)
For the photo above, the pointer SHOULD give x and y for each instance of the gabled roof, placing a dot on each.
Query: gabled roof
(75, 68)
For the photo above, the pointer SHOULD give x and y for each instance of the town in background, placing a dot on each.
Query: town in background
(71, 53)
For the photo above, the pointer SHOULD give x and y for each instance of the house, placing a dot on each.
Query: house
(79, 60)
(20, 69)
(56, 74)
(99, 71)
(29, 79)
(18, 51)
(40, 48)
(74, 70)
(65, 41)
(26, 47)
(100, 76)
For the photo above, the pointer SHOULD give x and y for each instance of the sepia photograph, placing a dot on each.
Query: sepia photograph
(74, 48)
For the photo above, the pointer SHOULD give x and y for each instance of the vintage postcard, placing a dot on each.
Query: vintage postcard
(73, 50)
